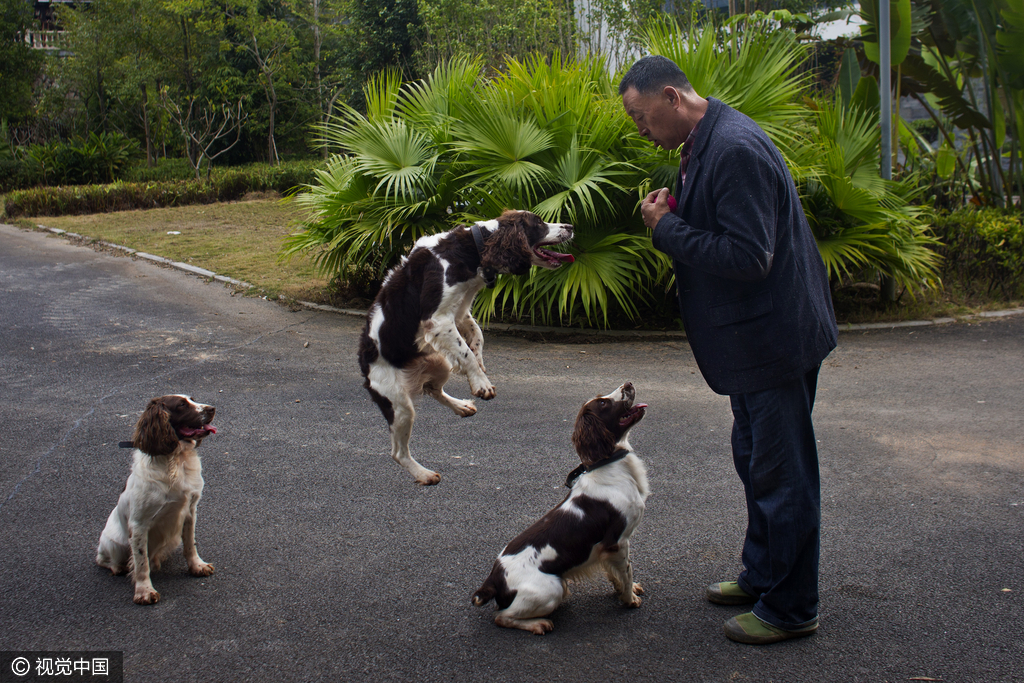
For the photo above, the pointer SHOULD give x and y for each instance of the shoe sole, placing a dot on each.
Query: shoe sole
(741, 636)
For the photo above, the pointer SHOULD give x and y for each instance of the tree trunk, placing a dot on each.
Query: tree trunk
(317, 42)
(145, 125)
(271, 145)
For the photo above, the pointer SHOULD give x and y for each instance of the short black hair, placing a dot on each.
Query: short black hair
(653, 73)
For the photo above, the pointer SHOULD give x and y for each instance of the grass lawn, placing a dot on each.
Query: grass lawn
(243, 240)
(238, 239)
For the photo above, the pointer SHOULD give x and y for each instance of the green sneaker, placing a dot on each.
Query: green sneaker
(728, 593)
(748, 628)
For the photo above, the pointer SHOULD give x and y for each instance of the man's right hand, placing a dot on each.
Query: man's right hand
(654, 206)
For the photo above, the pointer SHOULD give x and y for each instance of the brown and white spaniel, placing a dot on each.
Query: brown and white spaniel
(588, 532)
(156, 513)
(420, 327)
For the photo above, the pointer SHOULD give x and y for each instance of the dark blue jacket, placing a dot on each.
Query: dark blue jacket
(753, 290)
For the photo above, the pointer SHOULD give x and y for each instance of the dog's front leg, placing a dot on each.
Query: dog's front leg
(620, 573)
(145, 594)
(196, 566)
(474, 336)
(443, 334)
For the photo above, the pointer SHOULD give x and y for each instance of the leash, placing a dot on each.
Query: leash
(579, 471)
(126, 444)
(489, 273)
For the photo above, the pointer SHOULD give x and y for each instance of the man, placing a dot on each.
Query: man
(757, 310)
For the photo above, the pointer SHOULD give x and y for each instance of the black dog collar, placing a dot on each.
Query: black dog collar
(579, 471)
(125, 444)
(489, 273)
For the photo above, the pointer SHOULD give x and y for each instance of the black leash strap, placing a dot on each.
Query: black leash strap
(579, 471)
(125, 444)
(489, 273)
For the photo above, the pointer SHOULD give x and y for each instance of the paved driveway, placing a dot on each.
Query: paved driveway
(332, 565)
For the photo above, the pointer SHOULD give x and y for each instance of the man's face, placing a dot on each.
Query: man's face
(658, 117)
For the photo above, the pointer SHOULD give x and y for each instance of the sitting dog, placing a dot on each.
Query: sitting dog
(589, 531)
(156, 513)
(420, 326)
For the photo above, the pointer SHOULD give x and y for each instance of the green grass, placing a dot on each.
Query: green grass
(237, 239)
(243, 240)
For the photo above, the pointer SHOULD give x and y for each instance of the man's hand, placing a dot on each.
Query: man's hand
(654, 206)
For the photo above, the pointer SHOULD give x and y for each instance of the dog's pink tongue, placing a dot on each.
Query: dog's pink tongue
(564, 258)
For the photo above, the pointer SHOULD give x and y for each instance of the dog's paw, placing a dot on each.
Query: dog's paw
(539, 627)
(428, 478)
(485, 392)
(638, 589)
(635, 601)
(464, 408)
(146, 596)
(200, 569)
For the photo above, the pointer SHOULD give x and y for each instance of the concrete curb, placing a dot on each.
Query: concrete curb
(188, 268)
(527, 329)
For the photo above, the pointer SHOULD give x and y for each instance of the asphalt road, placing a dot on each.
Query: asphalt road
(331, 565)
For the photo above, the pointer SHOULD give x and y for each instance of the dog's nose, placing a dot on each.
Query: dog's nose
(628, 391)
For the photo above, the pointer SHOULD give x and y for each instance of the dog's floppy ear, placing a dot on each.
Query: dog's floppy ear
(154, 434)
(507, 249)
(591, 437)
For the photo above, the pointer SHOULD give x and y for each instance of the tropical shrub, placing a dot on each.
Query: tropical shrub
(983, 248)
(551, 136)
(98, 158)
(865, 226)
(455, 149)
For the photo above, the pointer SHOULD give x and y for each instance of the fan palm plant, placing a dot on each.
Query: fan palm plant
(860, 221)
(543, 136)
(395, 178)
(550, 136)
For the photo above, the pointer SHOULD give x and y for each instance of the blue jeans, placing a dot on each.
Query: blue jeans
(776, 457)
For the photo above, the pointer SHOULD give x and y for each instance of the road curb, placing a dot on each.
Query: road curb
(525, 329)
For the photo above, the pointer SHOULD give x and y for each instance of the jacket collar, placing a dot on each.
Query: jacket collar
(715, 108)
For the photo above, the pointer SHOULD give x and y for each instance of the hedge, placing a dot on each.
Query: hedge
(983, 247)
(226, 185)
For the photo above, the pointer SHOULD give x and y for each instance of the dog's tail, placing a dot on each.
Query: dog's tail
(485, 593)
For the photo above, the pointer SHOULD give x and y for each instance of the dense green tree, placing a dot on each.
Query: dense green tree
(19, 65)
(494, 29)
(262, 31)
(379, 34)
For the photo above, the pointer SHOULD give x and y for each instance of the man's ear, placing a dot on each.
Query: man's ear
(674, 98)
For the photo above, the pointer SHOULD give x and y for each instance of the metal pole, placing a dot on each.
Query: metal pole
(885, 87)
(888, 284)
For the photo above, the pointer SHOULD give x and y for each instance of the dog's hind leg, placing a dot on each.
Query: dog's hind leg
(401, 433)
(395, 402)
(531, 604)
(431, 374)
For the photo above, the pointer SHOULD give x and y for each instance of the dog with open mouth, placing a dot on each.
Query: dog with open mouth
(420, 328)
(590, 529)
(156, 513)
